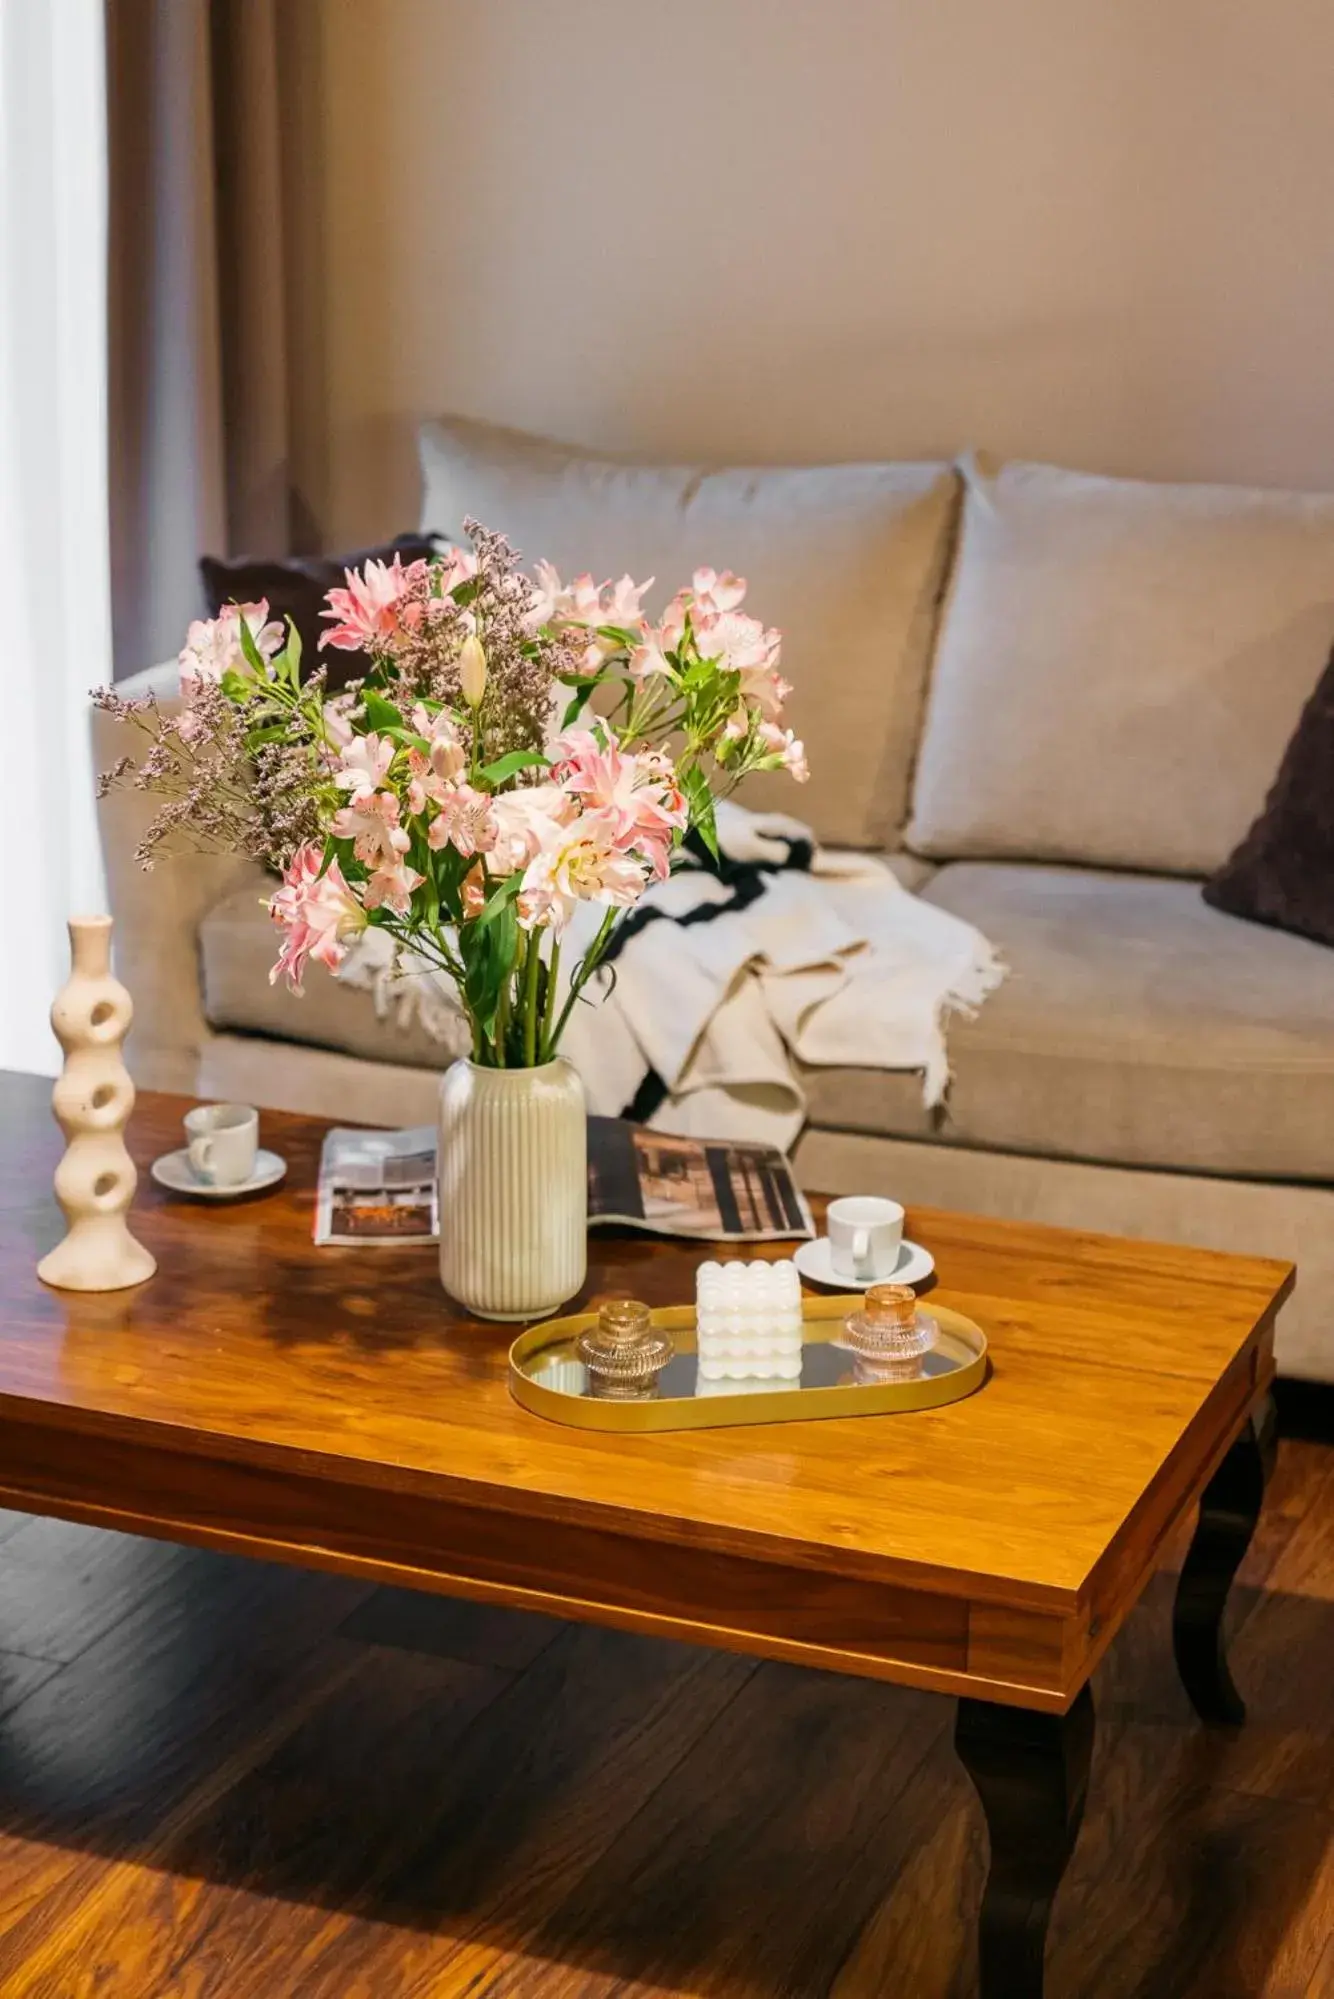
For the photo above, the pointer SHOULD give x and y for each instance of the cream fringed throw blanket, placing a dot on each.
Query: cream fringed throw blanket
(721, 985)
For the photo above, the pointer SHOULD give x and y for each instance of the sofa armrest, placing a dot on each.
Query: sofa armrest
(157, 912)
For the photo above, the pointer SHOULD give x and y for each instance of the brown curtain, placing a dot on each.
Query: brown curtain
(199, 409)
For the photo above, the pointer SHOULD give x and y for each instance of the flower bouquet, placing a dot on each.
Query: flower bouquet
(521, 762)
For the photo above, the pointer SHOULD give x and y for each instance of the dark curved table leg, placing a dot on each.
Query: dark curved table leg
(1229, 1509)
(1031, 1773)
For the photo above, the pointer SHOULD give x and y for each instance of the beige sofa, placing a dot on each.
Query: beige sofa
(1056, 701)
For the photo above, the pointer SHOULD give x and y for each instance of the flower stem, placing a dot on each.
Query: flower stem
(584, 971)
(501, 1028)
(549, 1003)
(531, 969)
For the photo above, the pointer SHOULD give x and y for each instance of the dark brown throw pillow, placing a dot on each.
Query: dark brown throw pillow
(295, 586)
(1283, 871)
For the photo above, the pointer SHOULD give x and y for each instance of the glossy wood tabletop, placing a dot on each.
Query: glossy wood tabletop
(330, 1406)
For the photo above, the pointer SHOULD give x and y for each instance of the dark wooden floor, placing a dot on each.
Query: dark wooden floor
(220, 1780)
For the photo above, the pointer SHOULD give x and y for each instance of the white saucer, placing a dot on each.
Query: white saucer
(174, 1171)
(815, 1262)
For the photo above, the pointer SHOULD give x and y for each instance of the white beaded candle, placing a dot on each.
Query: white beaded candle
(748, 1321)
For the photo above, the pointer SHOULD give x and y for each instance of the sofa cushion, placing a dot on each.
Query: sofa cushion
(1137, 1026)
(1119, 668)
(1283, 871)
(237, 947)
(846, 559)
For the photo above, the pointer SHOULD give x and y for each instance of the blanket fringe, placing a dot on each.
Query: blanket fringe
(403, 990)
(967, 997)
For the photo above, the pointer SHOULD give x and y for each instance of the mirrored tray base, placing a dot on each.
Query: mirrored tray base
(547, 1376)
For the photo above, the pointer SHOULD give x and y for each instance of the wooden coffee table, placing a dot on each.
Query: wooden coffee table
(330, 1408)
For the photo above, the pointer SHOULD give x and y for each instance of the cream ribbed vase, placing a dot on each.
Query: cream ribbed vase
(513, 1188)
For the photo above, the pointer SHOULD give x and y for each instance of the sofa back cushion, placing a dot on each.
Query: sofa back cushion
(1119, 668)
(846, 560)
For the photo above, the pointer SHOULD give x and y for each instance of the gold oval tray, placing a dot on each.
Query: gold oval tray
(547, 1377)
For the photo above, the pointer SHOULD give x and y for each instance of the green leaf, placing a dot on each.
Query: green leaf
(290, 657)
(409, 739)
(499, 900)
(380, 714)
(450, 866)
(235, 686)
(270, 734)
(447, 870)
(578, 705)
(488, 956)
(700, 799)
(506, 935)
(510, 764)
(254, 658)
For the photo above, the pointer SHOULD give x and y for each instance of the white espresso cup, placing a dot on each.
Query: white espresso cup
(865, 1235)
(222, 1142)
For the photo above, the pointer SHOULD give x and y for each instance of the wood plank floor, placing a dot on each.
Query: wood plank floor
(220, 1780)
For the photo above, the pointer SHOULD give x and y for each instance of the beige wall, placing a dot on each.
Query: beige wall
(1097, 231)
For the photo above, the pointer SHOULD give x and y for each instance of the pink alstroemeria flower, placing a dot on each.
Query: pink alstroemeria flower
(371, 823)
(576, 603)
(423, 784)
(549, 596)
(455, 565)
(368, 611)
(583, 602)
(582, 608)
(637, 795)
(650, 656)
(391, 886)
(213, 645)
(766, 690)
(588, 604)
(620, 603)
(741, 644)
(465, 821)
(736, 639)
(363, 764)
(713, 593)
(317, 911)
(791, 753)
(659, 640)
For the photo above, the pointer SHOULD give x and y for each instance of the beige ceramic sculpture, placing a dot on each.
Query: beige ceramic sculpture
(92, 1100)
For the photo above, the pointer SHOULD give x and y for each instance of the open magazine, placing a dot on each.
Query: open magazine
(380, 1186)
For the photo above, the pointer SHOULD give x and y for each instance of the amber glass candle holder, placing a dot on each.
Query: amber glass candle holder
(624, 1352)
(890, 1334)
